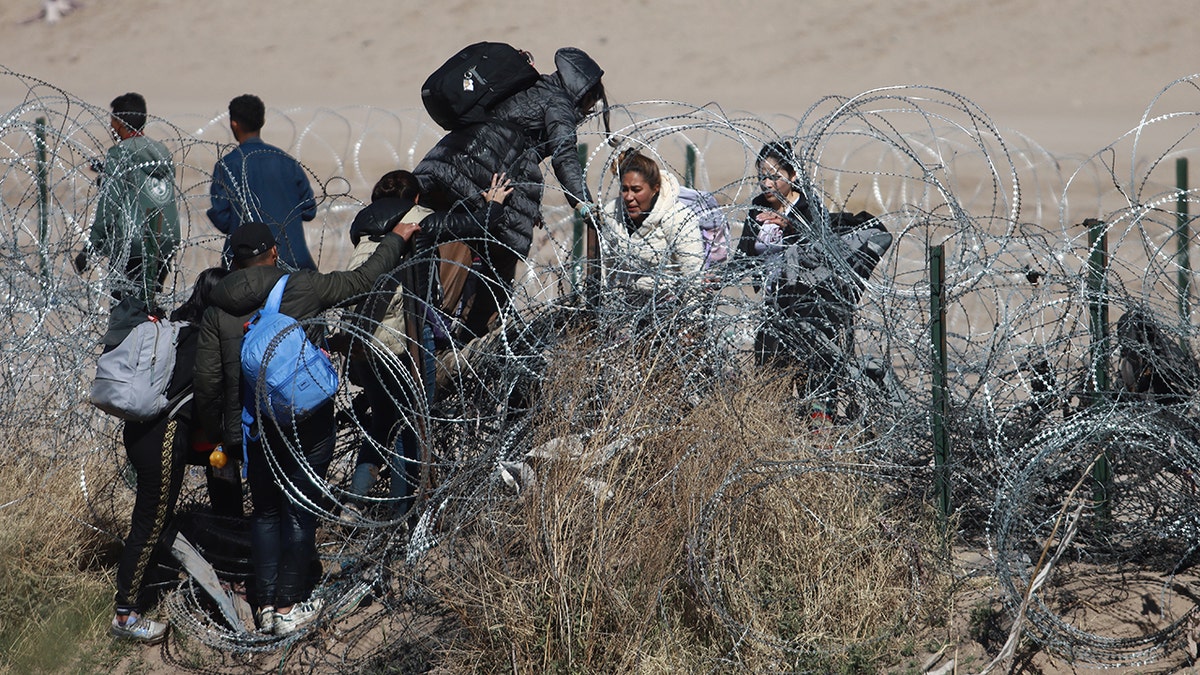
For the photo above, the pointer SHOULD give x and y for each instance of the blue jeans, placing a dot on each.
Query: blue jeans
(390, 395)
(283, 527)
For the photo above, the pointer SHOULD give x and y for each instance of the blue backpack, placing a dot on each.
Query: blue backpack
(286, 375)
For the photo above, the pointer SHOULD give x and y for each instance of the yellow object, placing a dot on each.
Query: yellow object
(217, 459)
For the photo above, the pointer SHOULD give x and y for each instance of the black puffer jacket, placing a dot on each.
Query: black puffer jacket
(461, 166)
(379, 217)
(528, 127)
(549, 113)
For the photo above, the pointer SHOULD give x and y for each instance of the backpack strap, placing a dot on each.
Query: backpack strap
(176, 404)
(249, 420)
(276, 296)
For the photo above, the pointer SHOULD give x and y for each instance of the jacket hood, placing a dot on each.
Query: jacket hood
(668, 197)
(378, 218)
(246, 290)
(578, 72)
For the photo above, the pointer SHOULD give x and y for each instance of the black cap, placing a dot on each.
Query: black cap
(250, 240)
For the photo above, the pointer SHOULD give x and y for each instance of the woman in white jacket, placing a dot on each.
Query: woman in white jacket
(653, 239)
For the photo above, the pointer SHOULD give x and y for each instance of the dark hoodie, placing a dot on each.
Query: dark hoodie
(217, 379)
(549, 113)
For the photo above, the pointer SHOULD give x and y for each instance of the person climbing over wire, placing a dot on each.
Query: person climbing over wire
(516, 134)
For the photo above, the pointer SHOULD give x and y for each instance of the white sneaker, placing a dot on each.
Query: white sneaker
(265, 618)
(301, 614)
(139, 629)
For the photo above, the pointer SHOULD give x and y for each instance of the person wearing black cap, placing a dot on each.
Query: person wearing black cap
(250, 241)
(283, 531)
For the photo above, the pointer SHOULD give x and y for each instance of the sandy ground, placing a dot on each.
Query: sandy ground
(1072, 74)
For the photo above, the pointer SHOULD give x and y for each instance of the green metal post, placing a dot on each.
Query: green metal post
(43, 196)
(941, 405)
(1098, 304)
(1097, 284)
(689, 169)
(1182, 239)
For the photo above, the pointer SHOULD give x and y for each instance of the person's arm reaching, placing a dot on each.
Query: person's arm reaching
(561, 130)
(207, 379)
(334, 288)
(451, 225)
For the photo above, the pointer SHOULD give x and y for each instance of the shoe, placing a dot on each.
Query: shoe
(139, 629)
(301, 614)
(351, 515)
(265, 618)
(364, 477)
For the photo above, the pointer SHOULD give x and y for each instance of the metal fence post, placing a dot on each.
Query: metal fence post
(1182, 240)
(689, 168)
(1097, 284)
(43, 196)
(941, 405)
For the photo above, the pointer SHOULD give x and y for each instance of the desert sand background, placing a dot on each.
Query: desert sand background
(1072, 75)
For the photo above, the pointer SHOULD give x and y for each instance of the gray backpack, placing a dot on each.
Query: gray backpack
(132, 379)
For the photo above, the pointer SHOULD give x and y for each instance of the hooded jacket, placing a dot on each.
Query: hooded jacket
(218, 374)
(668, 242)
(549, 114)
(526, 128)
(461, 166)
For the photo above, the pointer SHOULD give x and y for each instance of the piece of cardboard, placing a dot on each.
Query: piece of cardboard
(206, 576)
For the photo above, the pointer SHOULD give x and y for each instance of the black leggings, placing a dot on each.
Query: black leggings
(156, 451)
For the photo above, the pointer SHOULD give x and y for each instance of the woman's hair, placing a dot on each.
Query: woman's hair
(589, 100)
(591, 97)
(781, 152)
(193, 308)
(634, 161)
(399, 183)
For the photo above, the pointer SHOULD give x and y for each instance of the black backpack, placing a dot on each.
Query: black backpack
(866, 236)
(466, 88)
(1153, 365)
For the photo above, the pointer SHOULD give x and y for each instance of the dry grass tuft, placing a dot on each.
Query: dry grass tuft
(55, 595)
(673, 534)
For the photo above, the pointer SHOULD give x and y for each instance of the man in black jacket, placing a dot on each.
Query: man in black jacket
(285, 467)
